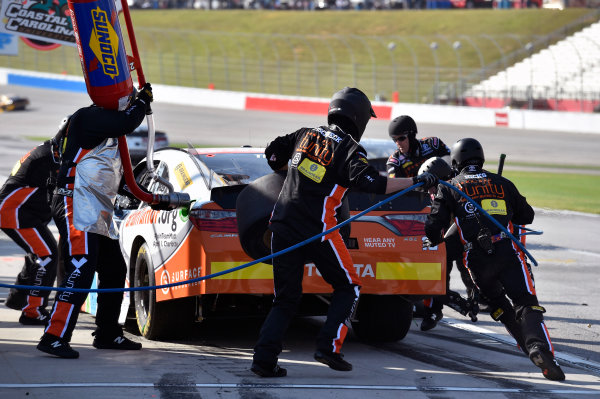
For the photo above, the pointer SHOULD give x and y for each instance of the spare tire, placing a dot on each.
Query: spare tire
(253, 206)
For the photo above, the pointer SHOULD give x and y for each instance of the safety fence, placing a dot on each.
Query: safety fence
(412, 69)
(273, 255)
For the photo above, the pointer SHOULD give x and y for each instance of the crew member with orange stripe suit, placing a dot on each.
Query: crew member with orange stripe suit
(24, 217)
(325, 162)
(496, 264)
(82, 207)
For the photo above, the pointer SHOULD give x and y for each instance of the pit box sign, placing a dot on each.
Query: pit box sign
(42, 24)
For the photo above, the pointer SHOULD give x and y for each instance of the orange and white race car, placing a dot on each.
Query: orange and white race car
(163, 247)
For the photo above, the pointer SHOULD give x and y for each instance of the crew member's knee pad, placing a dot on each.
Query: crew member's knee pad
(530, 312)
(501, 309)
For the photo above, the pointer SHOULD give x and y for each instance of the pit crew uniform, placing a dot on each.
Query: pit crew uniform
(407, 165)
(496, 264)
(325, 163)
(82, 208)
(24, 217)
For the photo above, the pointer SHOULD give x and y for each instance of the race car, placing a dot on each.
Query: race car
(11, 102)
(232, 192)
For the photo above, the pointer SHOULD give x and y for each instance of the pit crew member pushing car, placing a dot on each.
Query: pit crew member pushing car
(433, 306)
(496, 264)
(324, 163)
(82, 208)
(24, 217)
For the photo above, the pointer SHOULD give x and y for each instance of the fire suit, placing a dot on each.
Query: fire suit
(407, 165)
(497, 266)
(24, 217)
(325, 163)
(90, 247)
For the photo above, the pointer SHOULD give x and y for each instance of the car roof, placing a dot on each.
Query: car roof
(230, 150)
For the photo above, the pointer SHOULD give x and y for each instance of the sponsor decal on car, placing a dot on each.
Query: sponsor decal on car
(182, 175)
(150, 216)
(379, 242)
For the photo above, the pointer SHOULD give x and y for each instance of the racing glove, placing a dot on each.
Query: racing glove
(428, 179)
(274, 156)
(146, 97)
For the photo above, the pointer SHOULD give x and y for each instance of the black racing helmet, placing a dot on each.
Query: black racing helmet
(438, 167)
(466, 152)
(402, 125)
(353, 105)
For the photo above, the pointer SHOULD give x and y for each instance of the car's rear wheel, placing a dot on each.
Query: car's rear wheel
(157, 319)
(382, 318)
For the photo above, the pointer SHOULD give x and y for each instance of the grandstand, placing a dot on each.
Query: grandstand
(563, 76)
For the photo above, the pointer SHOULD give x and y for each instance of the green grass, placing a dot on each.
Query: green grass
(574, 192)
(316, 53)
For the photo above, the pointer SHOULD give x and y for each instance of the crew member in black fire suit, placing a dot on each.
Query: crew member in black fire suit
(24, 217)
(325, 162)
(411, 152)
(496, 264)
(82, 208)
(454, 250)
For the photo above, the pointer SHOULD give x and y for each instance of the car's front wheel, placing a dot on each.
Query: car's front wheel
(157, 319)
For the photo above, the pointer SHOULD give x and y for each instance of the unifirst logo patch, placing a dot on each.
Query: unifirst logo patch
(312, 170)
(494, 206)
(104, 42)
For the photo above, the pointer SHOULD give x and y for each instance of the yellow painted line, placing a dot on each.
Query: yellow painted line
(254, 272)
(408, 271)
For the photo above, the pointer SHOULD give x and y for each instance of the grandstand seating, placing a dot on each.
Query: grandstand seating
(563, 76)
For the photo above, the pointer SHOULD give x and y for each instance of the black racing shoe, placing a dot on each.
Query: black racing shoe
(268, 372)
(118, 341)
(16, 300)
(431, 321)
(544, 359)
(335, 361)
(57, 346)
(41, 320)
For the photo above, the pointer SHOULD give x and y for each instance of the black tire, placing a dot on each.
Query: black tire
(253, 207)
(157, 320)
(382, 318)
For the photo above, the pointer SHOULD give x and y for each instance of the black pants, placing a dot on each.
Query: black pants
(84, 254)
(454, 253)
(334, 263)
(506, 274)
(39, 268)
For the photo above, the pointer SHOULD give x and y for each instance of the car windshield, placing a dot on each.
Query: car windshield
(236, 168)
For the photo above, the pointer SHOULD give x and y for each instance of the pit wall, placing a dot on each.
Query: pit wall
(575, 122)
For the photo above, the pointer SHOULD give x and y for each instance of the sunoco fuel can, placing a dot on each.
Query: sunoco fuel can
(102, 52)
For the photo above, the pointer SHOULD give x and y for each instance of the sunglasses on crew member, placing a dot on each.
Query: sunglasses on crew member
(400, 138)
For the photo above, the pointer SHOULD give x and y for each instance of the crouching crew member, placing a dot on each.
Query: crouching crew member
(24, 217)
